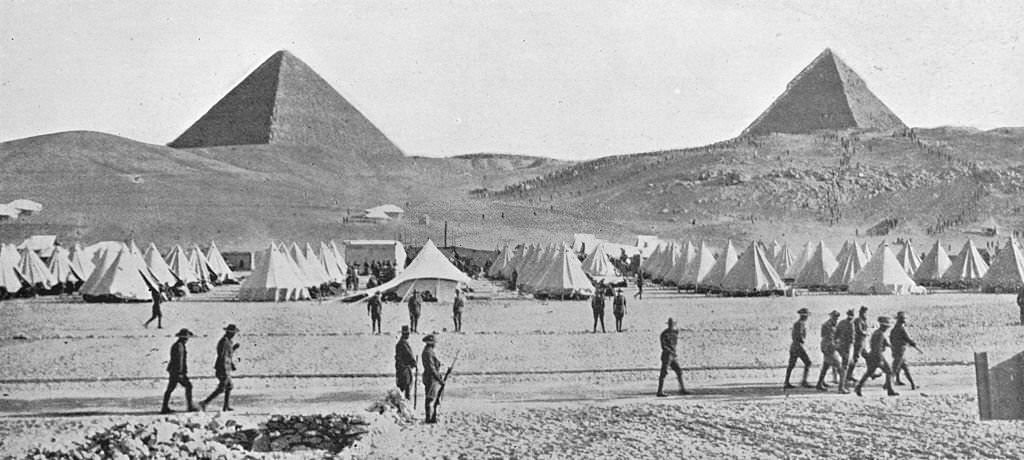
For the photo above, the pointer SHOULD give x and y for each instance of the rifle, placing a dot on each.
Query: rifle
(415, 381)
(444, 382)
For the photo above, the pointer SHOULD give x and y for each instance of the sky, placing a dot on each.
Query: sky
(570, 80)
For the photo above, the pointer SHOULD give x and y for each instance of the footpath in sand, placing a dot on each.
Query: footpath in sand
(71, 368)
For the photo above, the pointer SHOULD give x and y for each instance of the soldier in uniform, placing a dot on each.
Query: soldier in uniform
(860, 335)
(405, 363)
(157, 314)
(796, 350)
(830, 353)
(177, 371)
(619, 309)
(669, 339)
(415, 308)
(373, 307)
(597, 305)
(457, 306)
(432, 378)
(844, 341)
(223, 367)
(900, 341)
(875, 358)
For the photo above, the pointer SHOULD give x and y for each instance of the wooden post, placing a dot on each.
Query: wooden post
(984, 392)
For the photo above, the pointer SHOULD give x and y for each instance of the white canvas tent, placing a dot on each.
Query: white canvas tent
(851, 261)
(121, 276)
(798, 264)
(969, 267)
(563, 277)
(1006, 274)
(783, 261)
(723, 265)
(599, 267)
(34, 271)
(752, 274)
(429, 271)
(883, 274)
(218, 266)
(818, 268)
(909, 259)
(181, 266)
(61, 267)
(81, 262)
(698, 271)
(687, 256)
(501, 266)
(158, 267)
(273, 279)
(10, 281)
(933, 266)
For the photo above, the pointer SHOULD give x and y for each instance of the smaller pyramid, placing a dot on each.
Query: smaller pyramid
(827, 94)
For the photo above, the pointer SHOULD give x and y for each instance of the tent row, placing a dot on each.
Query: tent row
(290, 272)
(553, 271)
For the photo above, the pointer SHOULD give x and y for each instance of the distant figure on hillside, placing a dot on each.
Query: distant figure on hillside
(597, 306)
(177, 372)
(157, 314)
(796, 350)
(415, 308)
(619, 309)
(875, 358)
(223, 367)
(457, 306)
(373, 308)
(669, 338)
(639, 286)
(900, 340)
(1020, 304)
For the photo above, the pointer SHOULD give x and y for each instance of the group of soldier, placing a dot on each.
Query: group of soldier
(223, 366)
(844, 342)
(598, 302)
(406, 366)
(374, 308)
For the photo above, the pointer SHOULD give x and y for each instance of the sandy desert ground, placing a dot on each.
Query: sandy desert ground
(532, 380)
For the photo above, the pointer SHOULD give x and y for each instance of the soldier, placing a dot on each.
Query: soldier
(415, 308)
(177, 371)
(432, 378)
(796, 350)
(619, 309)
(900, 340)
(830, 353)
(223, 367)
(1020, 304)
(157, 314)
(597, 306)
(860, 335)
(639, 286)
(405, 363)
(669, 339)
(373, 308)
(875, 359)
(844, 341)
(457, 307)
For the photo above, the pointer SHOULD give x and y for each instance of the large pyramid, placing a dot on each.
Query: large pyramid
(827, 94)
(284, 101)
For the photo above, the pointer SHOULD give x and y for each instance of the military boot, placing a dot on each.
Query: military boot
(804, 383)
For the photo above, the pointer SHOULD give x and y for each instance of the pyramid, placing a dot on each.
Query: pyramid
(285, 102)
(827, 94)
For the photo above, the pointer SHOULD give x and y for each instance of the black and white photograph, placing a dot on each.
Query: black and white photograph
(604, 229)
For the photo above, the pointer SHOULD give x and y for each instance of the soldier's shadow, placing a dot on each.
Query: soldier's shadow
(728, 392)
(88, 413)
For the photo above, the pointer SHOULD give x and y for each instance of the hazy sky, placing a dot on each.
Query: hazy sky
(575, 79)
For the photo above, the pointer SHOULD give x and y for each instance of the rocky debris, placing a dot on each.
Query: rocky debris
(299, 433)
(394, 404)
(164, 438)
(174, 438)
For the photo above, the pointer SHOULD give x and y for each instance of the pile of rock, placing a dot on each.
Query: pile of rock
(299, 433)
(165, 438)
(394, 403)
